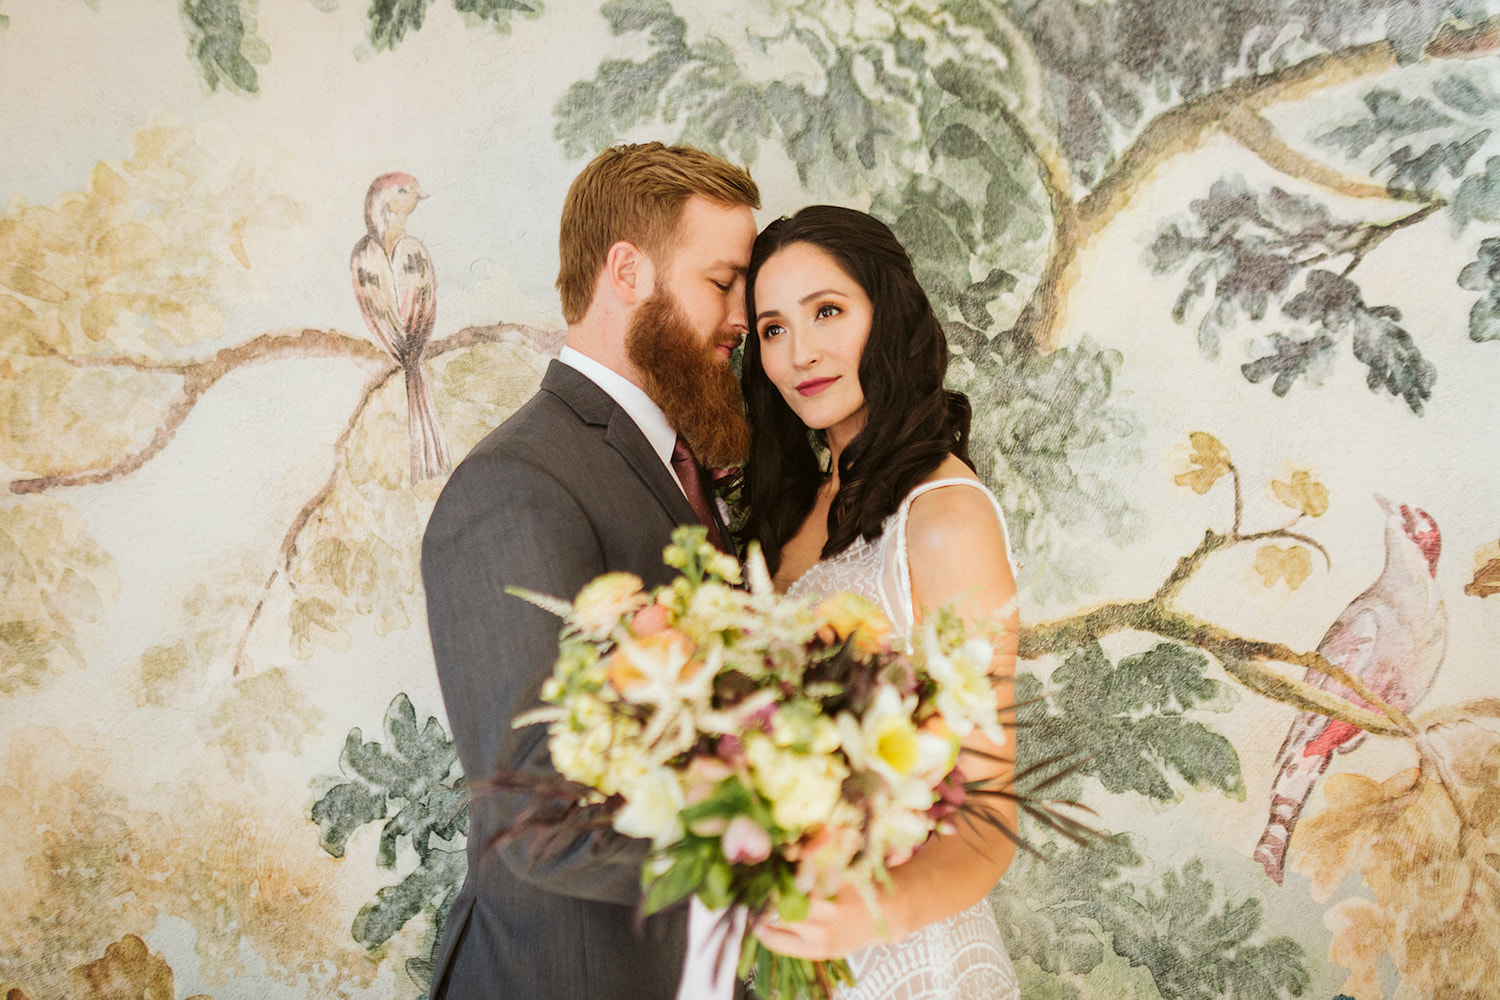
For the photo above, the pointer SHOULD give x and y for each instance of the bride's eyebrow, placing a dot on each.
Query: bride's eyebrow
(818, 294)
(801, 302)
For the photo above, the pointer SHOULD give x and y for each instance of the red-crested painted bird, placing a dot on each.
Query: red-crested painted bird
(397, 292)
(1392, 638)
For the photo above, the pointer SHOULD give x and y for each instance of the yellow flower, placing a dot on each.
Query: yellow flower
(855, 619)
(653, 803)
(888, 742)
(966, 692)
(803, 789)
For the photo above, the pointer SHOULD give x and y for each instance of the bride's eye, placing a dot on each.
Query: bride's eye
(769, 330)
(828, 309)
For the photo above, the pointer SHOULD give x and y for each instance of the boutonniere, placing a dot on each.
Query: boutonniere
(726, 484)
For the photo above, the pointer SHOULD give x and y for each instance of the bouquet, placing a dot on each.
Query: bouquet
(770, 748)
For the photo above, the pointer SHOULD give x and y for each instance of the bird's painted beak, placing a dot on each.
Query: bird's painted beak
(1386, 505)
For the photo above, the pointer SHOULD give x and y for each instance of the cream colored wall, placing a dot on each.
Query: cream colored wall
(157, 781)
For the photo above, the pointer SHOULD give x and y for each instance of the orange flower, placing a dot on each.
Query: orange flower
(855, 619)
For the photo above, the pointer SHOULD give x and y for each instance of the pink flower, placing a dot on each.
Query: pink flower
(825, 858)
(650, 620)
(745, 842)
(703, 777)
(731, 749)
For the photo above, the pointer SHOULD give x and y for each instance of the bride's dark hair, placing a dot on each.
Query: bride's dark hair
(912, 423)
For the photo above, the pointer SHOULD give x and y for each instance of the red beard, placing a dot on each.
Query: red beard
(689, 381)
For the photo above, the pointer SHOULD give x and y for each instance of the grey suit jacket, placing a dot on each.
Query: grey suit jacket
(566, 489)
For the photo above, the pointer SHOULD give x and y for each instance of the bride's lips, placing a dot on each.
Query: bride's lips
(813, 386)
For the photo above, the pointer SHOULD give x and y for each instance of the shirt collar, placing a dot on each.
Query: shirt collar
(632, 399)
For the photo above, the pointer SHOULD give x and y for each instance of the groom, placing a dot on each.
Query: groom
(589, 476)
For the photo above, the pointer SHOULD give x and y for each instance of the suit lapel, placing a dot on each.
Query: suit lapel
(598, 409)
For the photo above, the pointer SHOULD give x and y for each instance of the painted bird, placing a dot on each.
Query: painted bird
(1392, 637)
(397, 292)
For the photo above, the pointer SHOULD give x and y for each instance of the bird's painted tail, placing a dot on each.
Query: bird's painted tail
(429, 453)
(1299, 771)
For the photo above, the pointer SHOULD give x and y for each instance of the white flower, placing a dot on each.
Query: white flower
(966, 694)
(604, 600)
(899, 822)
(756, 572)
(653, 803)
(803, 789)
(888, 742)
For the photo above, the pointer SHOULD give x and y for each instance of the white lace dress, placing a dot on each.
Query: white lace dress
(961, 957)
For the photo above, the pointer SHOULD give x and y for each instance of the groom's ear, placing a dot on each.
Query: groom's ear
(629, 273)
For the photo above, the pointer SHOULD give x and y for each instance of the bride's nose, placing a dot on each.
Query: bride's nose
(805, 351)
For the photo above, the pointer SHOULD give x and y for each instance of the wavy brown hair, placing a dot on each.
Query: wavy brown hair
(912, 422)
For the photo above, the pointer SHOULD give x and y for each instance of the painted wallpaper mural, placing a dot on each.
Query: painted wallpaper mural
(1223, 280)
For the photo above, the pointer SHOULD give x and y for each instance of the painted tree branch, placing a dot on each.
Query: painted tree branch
(1233, 110)
(198, 376)
(1244, 659)
(288, 550)
(544, 341)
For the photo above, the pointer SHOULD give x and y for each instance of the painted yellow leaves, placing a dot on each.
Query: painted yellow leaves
(1292, 563)
(104, 281)
(1208, 463)
(1289, 563)
(1435, 911)
(54, 581)
(1303, 493)
(128, 969)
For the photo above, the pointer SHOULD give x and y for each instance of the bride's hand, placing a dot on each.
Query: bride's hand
(833, 929)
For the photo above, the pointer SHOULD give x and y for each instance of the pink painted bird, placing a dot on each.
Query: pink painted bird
(397, 292)
(1391, 637)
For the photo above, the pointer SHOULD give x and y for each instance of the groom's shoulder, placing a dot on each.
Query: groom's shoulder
(556, 416)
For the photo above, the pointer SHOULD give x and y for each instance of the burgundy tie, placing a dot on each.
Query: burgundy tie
(691, 477)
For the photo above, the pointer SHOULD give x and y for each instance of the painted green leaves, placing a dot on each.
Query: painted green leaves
(1246, 251)
(1132, 718)
(411, 785)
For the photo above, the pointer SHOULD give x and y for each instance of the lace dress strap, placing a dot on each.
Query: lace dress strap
(902, 603)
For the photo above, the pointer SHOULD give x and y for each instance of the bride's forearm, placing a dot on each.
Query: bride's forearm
(952, 871)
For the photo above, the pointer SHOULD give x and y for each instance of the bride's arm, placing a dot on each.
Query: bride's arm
(958, 559)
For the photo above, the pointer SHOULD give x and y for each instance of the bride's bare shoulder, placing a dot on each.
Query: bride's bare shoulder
(954, 520)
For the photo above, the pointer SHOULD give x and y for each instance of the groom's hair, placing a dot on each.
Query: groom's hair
(636, 193)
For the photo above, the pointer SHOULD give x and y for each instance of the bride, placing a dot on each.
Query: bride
(844, 343)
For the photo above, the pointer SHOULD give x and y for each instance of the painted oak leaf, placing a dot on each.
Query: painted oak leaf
(1208, 462)
(1402, 839)
(1486, 582)
(128, 969)
(1303, 493)
(1275, 562)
